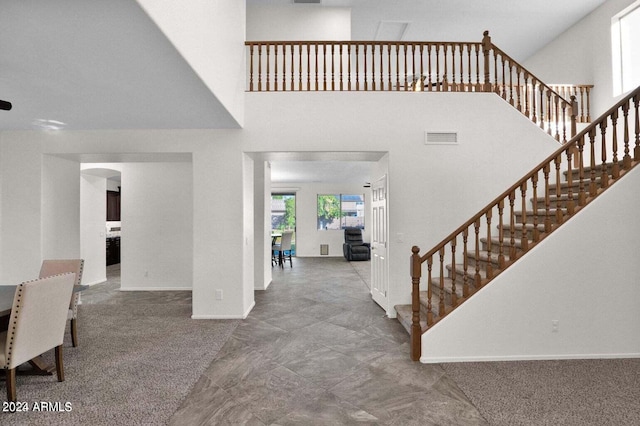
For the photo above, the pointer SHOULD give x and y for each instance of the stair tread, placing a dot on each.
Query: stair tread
(405, 315)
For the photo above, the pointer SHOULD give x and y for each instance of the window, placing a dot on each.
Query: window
(339, 211)
(625, 37)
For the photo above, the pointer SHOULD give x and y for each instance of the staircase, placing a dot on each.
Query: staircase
(521, 217)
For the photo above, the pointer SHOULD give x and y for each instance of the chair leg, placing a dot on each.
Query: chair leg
(11, 384)
(59, 364)
(74, 332)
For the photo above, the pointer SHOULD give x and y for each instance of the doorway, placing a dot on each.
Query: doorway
(283, 216)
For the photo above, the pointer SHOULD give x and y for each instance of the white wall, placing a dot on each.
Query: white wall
(156, 242)
(248, 247)
(308, 237)
(432, 188)
(582, 55)
(585, 275)
(298, 22)
(262, 222)
(60, 208)
(210, 37)
(93, 206)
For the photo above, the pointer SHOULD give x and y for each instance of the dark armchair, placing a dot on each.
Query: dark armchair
(354, 248)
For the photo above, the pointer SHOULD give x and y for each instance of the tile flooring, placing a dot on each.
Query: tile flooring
(316, 350)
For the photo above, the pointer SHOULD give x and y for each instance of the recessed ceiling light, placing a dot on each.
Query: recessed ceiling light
(48, 124)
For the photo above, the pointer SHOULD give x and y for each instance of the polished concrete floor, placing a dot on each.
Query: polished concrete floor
(316, 350)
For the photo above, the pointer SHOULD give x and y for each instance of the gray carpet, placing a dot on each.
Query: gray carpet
(134, 365)
(559, 393)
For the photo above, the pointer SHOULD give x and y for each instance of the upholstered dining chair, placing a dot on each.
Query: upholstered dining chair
(36, 325)
(283, 248)
(60, 266)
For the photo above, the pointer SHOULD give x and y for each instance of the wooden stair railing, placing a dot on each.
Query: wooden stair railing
(524, 215)
(417, 67)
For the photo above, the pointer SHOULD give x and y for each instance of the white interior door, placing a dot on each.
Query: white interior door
(379, 265)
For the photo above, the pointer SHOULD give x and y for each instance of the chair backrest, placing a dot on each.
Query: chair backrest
(38, 317)
(60, 266)
(353, 236)
(285, 241)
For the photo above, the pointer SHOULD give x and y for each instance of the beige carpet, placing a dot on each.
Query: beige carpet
(134, 365)
(554, 393)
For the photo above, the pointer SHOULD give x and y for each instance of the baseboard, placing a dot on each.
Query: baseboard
(156, 289)
(263, 288)
(95, 282)
(222, 317)
(445, 360)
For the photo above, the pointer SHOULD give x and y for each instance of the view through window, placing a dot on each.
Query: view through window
(625, 38)
(339, 211)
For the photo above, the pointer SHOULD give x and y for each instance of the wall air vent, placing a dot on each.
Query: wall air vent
(306, 1)
(440, 138)
(324, 249)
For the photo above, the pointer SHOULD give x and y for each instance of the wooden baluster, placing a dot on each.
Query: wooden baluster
(604, 174)
(489, 267)
(349, 67)
(496, 88)
(268, 81)
(441, 308)
(364, 59)
(397, 66)
(389, 87)
(445, 73)
(556, 114)
(582, 196)
(465, 264)
(292, 68)
(626, 160)
(406, 78)
(519, 89)
(511, 101)
(547, 199)
(341, 69)
(429, 291)
(541, 108)
(527, 107)
(438, 85)
(308, 66)
(588, 107)
(564, 122)
(275, 71)
(357, 69)
(570, 202)
(501, 260)
(478, 85)
(413, 67)
(593, 188)
(636, 150)
(558, 162)
(416, 328)
(251, 67)
(421, 66)
(317, 69)
(381, 67)
(300, 54)
(512, 226)
(549, 118)
(284, 67)
(454, 295)
(534, 184)
(615, 167)
(430, 70)
(259, 67)
(582, 116)
(373, 67)
(324, 67)
(469, 80)
(453, 68)
(477, 277)
(523, 196)
(504, 81)
(574, 118)
(333, 82)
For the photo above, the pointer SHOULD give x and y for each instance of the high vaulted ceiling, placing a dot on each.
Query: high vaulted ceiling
(105, 65)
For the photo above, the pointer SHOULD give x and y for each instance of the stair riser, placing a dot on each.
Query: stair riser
(540, 217)
(495, 247)
(460, 276)
(519, 234)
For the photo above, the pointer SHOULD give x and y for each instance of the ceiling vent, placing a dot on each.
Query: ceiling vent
(306, 1)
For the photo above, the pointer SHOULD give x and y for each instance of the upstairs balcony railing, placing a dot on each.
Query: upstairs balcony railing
(415, 66)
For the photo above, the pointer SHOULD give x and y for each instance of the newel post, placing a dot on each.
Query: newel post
(416, 329)
(486, 49)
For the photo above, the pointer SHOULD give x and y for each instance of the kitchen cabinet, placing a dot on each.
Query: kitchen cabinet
(113, 250)
(113, 206)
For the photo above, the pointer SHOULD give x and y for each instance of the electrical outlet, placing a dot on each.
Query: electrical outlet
(218, 294)
(555, 326)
